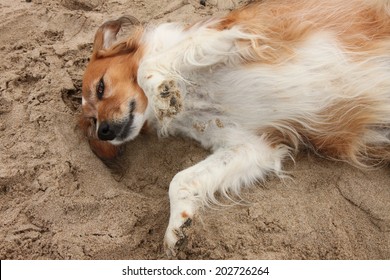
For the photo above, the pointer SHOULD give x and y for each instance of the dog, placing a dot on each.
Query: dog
(253, 87)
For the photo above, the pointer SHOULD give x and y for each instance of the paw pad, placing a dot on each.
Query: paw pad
(168, 102)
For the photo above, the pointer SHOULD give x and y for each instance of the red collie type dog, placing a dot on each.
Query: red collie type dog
(253, 87)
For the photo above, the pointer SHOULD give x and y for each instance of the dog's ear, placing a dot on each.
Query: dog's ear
(105, 37)
(108, 153)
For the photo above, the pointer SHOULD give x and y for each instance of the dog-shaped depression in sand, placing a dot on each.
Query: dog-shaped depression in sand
(253, 87)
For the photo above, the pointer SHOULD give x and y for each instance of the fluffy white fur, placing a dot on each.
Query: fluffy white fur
(226, 102)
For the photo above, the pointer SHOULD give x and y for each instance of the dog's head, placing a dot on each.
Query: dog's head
(113, 104)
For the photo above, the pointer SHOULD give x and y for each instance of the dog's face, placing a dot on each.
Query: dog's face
(112, 99)
(113, 104)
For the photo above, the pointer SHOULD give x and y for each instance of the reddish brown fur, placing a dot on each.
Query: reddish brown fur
(123, 77)
(184, 215)
(338, 133)
(342, 128)
(102, 149)
(283, 24)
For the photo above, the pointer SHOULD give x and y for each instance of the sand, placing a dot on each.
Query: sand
(58, 201)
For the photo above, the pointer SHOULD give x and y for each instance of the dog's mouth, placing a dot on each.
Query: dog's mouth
(126, 129)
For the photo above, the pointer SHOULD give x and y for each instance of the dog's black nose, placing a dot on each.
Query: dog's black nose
(106, 132)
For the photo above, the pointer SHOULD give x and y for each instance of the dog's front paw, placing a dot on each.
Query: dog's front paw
(168, 101)
(175, 238)
(164, 93)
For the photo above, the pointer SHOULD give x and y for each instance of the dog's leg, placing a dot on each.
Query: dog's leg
(225, 171)
(163, 75)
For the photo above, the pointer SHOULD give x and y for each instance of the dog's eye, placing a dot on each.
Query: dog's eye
(100, 89)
